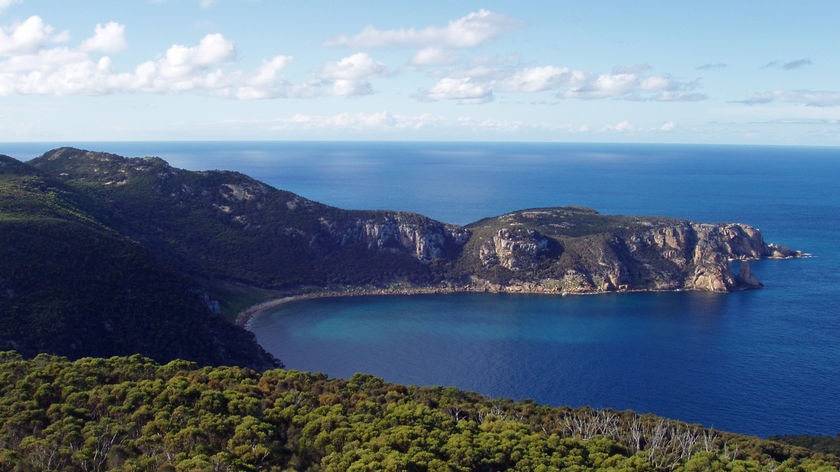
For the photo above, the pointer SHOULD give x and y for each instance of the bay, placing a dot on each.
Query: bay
(760, 362)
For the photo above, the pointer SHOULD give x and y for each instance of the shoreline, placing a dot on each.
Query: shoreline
(244, 318)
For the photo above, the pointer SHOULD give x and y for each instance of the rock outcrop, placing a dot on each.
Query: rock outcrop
(226, 225)
(514, 249)
(576, 250)
(423, 238)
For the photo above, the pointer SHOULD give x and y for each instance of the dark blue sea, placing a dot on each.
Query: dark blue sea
(759, 362)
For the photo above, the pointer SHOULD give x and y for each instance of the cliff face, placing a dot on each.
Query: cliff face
(423, 238)
(227, 225)
(575, 250)
(107, 255)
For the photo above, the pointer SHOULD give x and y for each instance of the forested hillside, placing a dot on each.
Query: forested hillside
(107, 255)
(129, 414)
(71, 285)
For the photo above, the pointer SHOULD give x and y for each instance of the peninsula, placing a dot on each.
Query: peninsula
(107, 235)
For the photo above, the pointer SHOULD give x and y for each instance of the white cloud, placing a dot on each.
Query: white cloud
(606, 85)
(185, 68)
(108, 38)
(349, 76)
(471, 30)
(266, 81)
(478, 83)
(668, 126)
(6, 4)
(634, 84)
(538, 79)
(463, 90)
(27, 37)
(433, 56)
(810, 98)
(623, 126)
(382, 120)
(34, 65)
(359, 66)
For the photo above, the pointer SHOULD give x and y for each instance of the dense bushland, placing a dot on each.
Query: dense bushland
(130, 413)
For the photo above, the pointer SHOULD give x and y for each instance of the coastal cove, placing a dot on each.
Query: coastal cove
(758, 362)
(714, 359)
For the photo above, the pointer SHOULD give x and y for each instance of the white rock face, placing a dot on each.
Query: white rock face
(422, 237)
(514, 249)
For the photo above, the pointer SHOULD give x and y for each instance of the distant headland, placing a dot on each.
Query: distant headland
(232, 242)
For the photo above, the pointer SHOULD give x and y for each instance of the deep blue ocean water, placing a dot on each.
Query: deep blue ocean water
(759, 362)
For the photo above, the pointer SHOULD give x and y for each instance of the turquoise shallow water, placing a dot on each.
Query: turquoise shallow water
(760, 362)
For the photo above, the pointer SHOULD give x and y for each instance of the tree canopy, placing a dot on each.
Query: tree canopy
(131, 413)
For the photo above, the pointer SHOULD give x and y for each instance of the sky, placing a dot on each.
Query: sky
(712, 72)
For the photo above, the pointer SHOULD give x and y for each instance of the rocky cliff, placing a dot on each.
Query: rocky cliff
(577, 250)
(227, 225)
(423, 238)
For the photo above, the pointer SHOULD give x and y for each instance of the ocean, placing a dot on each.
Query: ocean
(758, 362)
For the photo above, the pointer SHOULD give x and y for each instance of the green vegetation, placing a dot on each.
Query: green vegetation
(224, 225)
(107, 256)
(825, 444)
(131, 414)
(72, 286)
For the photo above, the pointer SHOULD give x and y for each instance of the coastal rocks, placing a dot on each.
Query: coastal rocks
(514, 249)
(737, 241)
(570, 250)
(746, 278)
(775, 251)
(423, 238)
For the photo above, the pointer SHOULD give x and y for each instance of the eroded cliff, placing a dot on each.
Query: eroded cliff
(577, 250)
(227, 225)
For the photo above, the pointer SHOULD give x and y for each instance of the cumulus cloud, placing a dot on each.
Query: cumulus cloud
(538, 79)
(350, 75)
(634, 84)
(27, 37)
(107, 38)
(471, 30)
(810, 98)
(266, 81)
(477, 84)
(33, 63)
(359, 66)
(462, 90)
(186, 67)
(433, 56)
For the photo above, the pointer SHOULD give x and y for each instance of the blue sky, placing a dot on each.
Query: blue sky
(747, 72)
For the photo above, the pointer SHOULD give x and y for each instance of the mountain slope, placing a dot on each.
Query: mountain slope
(69, 285)
(230, 226)
(227, 225)
(109, 255)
